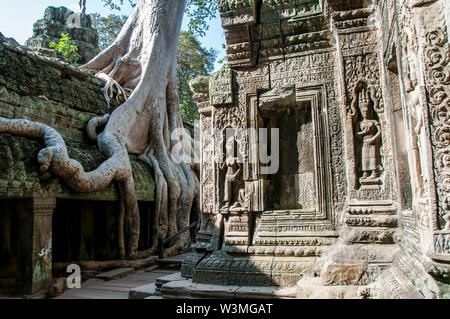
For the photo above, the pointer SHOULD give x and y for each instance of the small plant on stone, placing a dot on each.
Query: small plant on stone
(67, 48)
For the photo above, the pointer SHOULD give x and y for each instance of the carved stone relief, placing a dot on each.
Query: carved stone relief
(437, 56)
(413, 95)
(323, 82)
(362, 70)
(231, 173)
(367, 131)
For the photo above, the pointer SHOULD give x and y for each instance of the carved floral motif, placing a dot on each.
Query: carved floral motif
(437, 58)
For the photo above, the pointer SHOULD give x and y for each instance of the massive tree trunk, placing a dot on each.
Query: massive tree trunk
(143, 60)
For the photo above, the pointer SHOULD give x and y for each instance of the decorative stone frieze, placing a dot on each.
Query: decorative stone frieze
(358, 95)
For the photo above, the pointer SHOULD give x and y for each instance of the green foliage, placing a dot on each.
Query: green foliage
(198, 11)
(67, 48)
(223, 61)
(107, 27)
(192, 60)
(116, 4)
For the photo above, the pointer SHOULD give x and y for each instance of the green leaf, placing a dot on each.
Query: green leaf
(66, 47)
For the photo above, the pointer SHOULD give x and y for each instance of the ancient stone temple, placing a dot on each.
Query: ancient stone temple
(62, 20)
(42, 221)
(357, 202)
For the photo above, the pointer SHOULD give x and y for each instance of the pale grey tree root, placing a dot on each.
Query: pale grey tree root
(54, 157)
(142, 59)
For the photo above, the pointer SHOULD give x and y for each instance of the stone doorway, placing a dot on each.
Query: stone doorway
(300, 184)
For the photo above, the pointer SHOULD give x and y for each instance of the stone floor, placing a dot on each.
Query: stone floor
(185, 288)
(162, 280)
(95, 288)
(98, 288)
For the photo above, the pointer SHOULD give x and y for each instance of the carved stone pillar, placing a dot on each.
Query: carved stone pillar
(34, 269)
(436, 49)
(209, 233)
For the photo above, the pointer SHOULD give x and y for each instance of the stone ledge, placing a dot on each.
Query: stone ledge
(187, 289)
(312, 288)
(142, 292)
(174, 286)
(115, 274)
(169, 278)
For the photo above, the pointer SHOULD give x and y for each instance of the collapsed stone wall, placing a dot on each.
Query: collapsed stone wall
(62, 20)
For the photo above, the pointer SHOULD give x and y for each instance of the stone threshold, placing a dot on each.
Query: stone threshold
(174, 286)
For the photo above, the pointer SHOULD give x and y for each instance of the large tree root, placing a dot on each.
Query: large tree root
(54, 157)
(142, 59)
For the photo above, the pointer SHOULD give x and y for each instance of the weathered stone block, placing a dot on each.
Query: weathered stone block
(345, 274)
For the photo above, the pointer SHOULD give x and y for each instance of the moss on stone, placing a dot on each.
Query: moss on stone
(58, 95)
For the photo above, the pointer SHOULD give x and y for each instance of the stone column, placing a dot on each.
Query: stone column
(34, 268)
(207, 234)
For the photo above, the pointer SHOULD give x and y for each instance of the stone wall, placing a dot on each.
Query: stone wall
(39, 212)
(44, 90)
(365, 186)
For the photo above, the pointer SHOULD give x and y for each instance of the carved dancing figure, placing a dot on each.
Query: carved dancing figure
(413, 101)
(232, 175)
(369, 133)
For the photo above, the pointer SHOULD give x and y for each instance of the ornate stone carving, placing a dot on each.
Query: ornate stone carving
(368, 137)
(413, 95)
(220, 88)
(441, 242)
(340, 194)
(361, 64)
(233, 193)
(437, 57)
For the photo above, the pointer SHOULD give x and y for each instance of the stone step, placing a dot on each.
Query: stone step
(168, 278)
(187, 289)
(249, 292)
(115, 274)
(313, 288)
(142, 292)
(174, 261)
(404, 289)
(151, 268)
